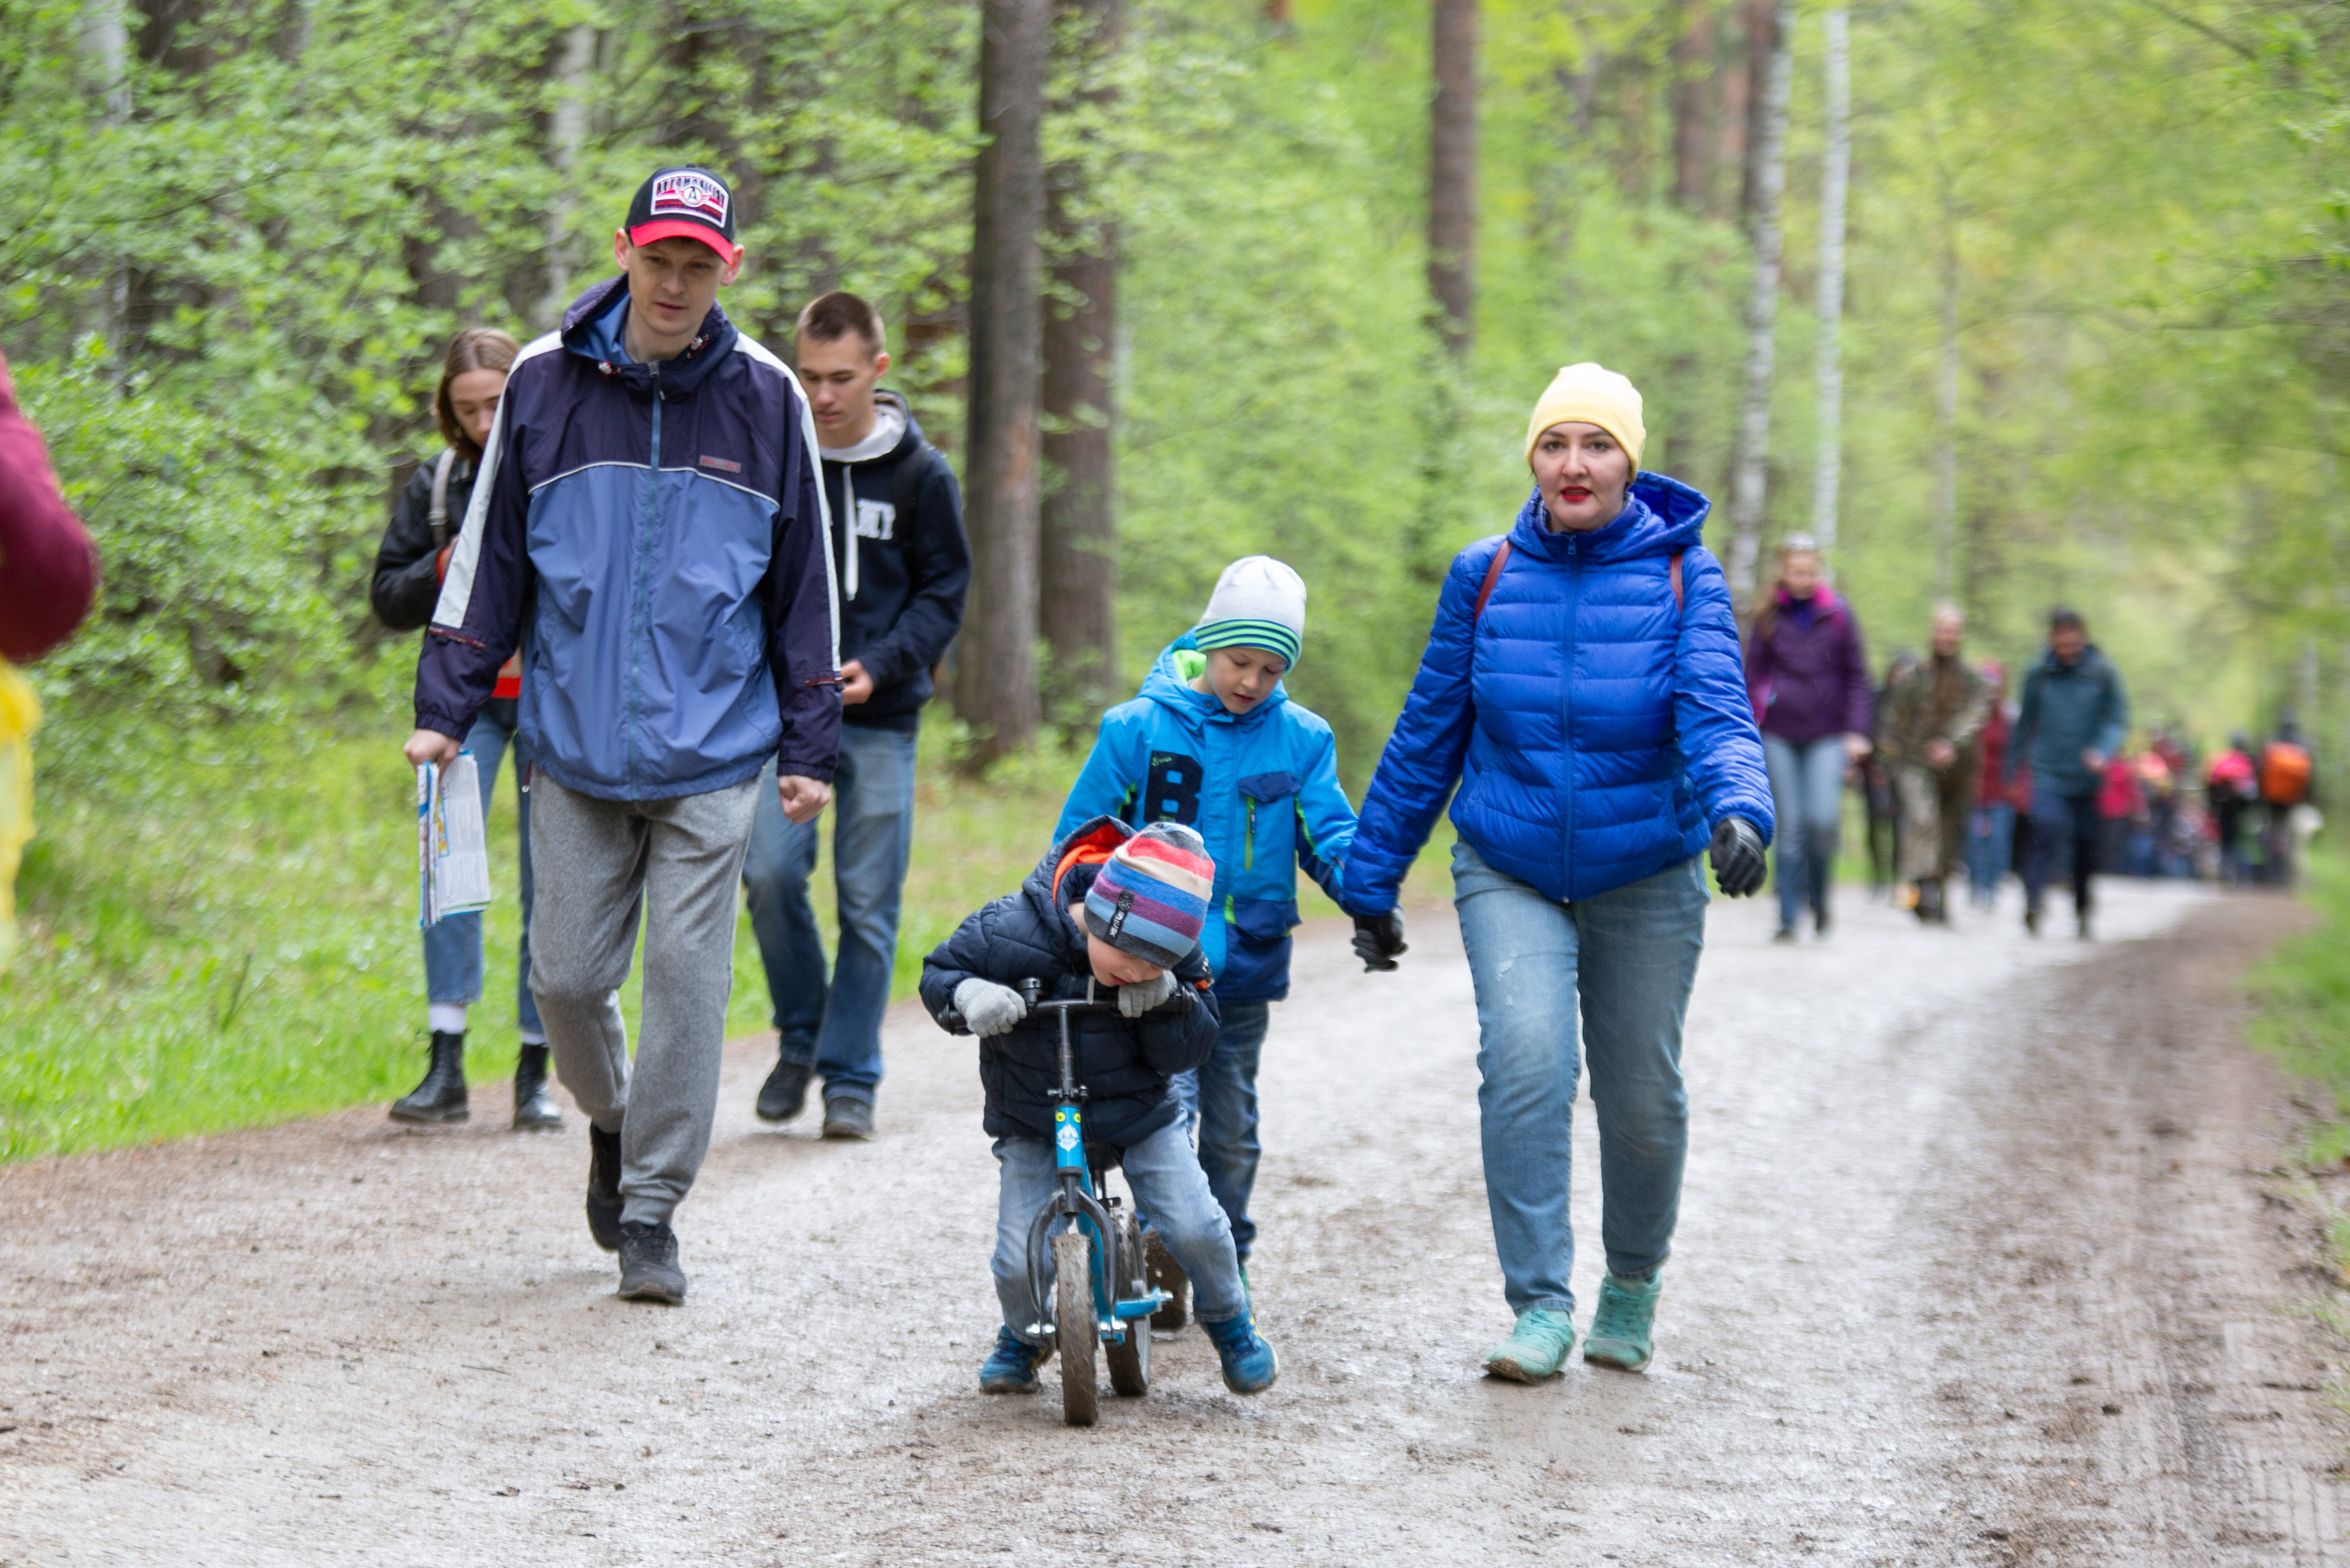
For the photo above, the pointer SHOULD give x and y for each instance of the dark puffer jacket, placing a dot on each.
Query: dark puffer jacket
(407, 581)
(1124, 1063)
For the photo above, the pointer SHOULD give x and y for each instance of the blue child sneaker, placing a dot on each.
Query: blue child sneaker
(1535, 1347)
(1250, 1366)
(1619, 1329)
(1011, 1366)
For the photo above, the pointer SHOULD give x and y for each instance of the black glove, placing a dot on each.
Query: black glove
(1737, 851)
(1377, 939)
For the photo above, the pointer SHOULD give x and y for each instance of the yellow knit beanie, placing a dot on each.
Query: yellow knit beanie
(1592, 395)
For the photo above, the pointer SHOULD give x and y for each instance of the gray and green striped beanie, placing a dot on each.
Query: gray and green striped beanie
(1258, 603)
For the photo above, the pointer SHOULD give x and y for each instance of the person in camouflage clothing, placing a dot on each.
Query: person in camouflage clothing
(1933, 712)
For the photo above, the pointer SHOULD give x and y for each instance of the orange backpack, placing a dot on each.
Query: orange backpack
(2284, 772)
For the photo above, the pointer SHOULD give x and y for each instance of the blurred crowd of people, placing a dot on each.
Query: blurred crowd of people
(1967, 775)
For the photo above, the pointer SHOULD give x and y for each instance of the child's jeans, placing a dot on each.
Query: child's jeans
(1167, 1181)
(1219, 1099)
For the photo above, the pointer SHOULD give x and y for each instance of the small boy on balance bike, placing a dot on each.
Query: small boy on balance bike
(1108, 907)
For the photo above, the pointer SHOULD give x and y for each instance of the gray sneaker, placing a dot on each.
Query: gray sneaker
(649, 1271)
(845, 1116)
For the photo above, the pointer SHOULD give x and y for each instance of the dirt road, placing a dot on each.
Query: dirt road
(1977, 1264)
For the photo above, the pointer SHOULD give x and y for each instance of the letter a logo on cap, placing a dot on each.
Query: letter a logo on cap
(689, 193)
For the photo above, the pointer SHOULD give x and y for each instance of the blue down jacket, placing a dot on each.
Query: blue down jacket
(1124, 1063)
(1263, 789)
(1599, 730)
(654, 538)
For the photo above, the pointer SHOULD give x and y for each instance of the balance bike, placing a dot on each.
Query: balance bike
(1091, 1279)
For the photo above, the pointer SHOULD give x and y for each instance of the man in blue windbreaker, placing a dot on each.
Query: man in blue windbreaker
(648, 530)
(1214, 742)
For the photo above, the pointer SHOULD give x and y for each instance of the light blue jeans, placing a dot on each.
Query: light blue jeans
(1167, 1180)
(1990, 843)
(1623, 960)
(835, 1028)
(452, 947)
(1807, 797)
(1220, 1101)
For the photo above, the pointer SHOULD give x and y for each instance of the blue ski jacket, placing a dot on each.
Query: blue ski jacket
(1263, 789)
(1598, 728)
(653, 537)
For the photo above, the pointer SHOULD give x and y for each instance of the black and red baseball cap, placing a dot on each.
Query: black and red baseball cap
(685, 203)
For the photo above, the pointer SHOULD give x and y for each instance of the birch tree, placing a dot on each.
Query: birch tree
(1833, 177)
(1751, 452)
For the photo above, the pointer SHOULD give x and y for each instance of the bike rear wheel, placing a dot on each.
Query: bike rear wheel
(1129, 1364)
(1075, 1333)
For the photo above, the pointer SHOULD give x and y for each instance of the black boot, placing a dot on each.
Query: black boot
(784, 1094)
(604, 1187)
(533, 1107)
(1930, 900)
(441, 1096)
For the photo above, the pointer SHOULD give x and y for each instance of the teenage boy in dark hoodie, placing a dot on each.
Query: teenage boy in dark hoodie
(648, 529)
(904, 567)
(1108, 911)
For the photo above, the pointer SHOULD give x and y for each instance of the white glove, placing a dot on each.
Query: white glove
(1134, 1000)
(988, 1008)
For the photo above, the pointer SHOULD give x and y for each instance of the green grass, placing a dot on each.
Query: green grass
(2304, 995)
(226, 937)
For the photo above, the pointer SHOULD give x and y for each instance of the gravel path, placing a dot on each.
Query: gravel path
(1981, 1262)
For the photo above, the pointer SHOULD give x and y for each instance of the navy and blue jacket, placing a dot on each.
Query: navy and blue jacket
(1263, 789)
(654, 538)
(1124, 1063)
(1599, 730)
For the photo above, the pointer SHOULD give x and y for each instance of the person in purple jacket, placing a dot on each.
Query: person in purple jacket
(1807, 676)
(648, 529)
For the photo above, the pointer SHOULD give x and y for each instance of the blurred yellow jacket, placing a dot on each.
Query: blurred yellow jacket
(20, 715)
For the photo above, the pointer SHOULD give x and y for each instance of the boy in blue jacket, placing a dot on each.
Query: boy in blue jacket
(1214, 742)
(1107, 908)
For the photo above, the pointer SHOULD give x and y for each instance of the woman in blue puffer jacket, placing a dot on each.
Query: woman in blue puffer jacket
(1583, 685)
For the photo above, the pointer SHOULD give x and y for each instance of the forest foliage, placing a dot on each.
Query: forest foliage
(234, 240)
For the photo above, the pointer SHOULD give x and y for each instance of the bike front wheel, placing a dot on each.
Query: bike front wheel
(1074, 1334)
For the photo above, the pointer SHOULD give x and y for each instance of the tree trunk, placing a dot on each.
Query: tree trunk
(1452, 174)
(1749, 467)
(566, 133)
(1833, 178)
(1693, 95)
(996, 665)
(1761, 49)
(106, 55)
(1945, 408)
(1078, 569)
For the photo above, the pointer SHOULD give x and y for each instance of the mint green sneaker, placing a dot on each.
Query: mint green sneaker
(1619, 1329)
(1535, 1349)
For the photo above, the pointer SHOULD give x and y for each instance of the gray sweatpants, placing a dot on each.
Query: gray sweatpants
(593, 863)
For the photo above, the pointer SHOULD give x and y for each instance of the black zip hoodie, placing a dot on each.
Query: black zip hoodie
(904, 565)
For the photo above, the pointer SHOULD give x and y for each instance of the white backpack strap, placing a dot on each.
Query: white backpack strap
(439, 514)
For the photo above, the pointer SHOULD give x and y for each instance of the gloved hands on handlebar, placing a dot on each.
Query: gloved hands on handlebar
(1134, 1000)
(1378, 939)
(1737, 851)
(988, 1008)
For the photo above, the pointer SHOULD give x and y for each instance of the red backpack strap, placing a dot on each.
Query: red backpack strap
(1492, 576)
(1680, 599)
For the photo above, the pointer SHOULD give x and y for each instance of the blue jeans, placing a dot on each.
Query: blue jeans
(1219, 1100)
(1807, 797)
(1625, 961)
(1991, 839)
(453, 948)
(1165, 1179)
(835, 1028)
(2065, 829)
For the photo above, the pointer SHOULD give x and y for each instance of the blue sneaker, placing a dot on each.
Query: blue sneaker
(1011, 1366)
(1536, 1346)
(1620, 1328)
(1250, 1366)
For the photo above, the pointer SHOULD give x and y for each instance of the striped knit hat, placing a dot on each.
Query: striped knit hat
(1258, 603)
(1151, 897)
